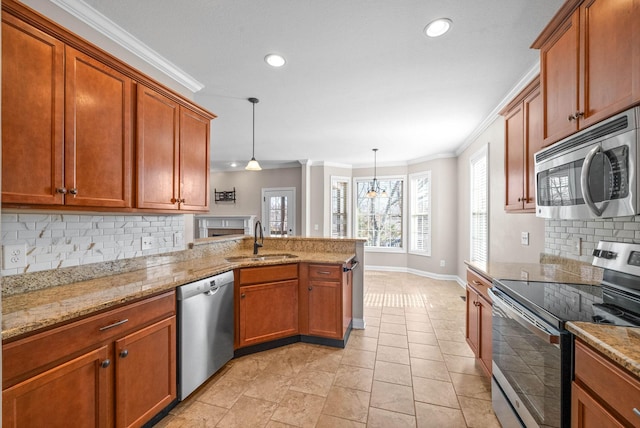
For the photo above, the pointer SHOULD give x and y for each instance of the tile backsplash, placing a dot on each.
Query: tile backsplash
(61, 240)
(561, 236)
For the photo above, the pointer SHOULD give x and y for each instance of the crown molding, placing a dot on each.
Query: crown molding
(119, 35)
(493, 115)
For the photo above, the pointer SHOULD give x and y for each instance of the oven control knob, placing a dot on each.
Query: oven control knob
(604, 254)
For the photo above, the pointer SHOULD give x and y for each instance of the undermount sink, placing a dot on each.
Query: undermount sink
(260, 257)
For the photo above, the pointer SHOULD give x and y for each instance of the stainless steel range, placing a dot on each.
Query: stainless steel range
(532, 350)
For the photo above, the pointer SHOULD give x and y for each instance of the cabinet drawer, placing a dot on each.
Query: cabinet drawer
(260, 274)
(615, 387)
(478, 283)
(325, 272)
(33, 354)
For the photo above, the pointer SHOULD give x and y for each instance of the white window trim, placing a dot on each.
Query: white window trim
(397, 250)
(484, 151)
(412, 177)
(350, 205)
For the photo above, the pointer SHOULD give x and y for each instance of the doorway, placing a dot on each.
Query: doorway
(279, 211)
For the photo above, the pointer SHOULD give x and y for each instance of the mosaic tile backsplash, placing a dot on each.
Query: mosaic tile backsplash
(561, 235)
(61, 240)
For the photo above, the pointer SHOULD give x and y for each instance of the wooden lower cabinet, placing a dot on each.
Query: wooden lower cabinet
(325, 314)
(117, 368)
(479, 323)
(268, 311)
(145, 373)
(602, 393)
(73, 393)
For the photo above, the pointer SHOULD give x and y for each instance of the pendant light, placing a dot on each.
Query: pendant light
(375, 190)
(253, 164)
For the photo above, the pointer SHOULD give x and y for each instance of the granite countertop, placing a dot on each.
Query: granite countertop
(32, 310)
(620, 344)
(546, 271)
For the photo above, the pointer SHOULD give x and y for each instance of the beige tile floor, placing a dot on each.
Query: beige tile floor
(410, 367)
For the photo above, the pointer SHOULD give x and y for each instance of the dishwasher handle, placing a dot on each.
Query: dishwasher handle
(213, 290)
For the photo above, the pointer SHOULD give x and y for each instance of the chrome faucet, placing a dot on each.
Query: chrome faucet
(257, 227)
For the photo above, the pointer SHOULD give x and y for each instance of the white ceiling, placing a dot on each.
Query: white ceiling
(360, 73)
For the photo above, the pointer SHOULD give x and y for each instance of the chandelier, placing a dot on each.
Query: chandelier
(375, 189)
(253, 164)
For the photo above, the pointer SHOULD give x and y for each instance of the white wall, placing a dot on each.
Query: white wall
(504, 228)
(249, 185)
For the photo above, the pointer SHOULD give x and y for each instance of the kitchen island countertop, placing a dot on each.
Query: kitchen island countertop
(26, 312)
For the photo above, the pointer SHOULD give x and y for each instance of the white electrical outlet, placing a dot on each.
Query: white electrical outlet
(148, 242)
(178, 240)
(442, 263)
(14, 256)
(524, 238)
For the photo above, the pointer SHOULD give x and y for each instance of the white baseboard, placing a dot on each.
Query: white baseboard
(432, 275)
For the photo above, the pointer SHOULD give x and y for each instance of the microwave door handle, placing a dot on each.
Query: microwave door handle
(517, 314)
(584, 181)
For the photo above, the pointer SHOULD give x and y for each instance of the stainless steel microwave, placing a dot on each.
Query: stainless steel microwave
(593, 173)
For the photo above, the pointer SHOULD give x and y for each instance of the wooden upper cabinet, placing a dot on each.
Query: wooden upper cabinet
(32, 114)
(158, 150)
(590, 65)
(66, 124)
(98, 144)
(523, 137)
(194, 160)
(173, 154)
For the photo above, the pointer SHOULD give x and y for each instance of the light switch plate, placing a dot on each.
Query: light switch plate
(14, 256)
(524, 238)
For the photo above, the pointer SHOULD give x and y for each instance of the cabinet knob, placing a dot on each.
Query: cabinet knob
(61, 190)
(309, 288)
(105, 364)
(571, 118)
(174, 200)
(636, 411)
(73, 191)
(124, 353)
(242, 295)
(575, 116)
(183, 200)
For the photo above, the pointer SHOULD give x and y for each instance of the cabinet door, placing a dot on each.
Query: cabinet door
(559, 77)
(514, 158)
(74, 393)
(98, 146)
(32, 114)
(145, 373)
(194, 161)
(473, 328)
(607, 63)
(325, 309)
(586, 412)
(157, 149)
(485, 333)
(533, 142)
(268, 311)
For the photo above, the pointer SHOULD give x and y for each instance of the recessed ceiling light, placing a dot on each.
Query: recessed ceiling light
(438, 27)
(275, 60)
(233, 164)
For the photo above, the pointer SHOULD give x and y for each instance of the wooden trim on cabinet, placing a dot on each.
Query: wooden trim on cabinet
(563, 14)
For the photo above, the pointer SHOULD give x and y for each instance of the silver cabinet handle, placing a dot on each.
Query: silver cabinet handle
(636, 411)
(105, 364)
(61, 190)
(115, 324)
(584, 182)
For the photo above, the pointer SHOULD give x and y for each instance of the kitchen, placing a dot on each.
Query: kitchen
(450, 237)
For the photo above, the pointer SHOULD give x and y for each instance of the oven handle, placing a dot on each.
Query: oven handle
(584, 182)
(519, 314)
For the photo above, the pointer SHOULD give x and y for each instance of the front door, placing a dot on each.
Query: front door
(278, 211)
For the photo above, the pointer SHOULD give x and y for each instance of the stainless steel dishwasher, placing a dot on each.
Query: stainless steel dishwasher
(205, 326)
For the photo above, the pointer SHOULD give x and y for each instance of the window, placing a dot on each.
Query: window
(479, 206)
(420, 241)
(340, 201)
(380, 220)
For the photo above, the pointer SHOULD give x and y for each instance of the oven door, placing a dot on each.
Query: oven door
(527, 366)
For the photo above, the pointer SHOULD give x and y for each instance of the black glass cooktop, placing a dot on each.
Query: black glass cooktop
(560, 302)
